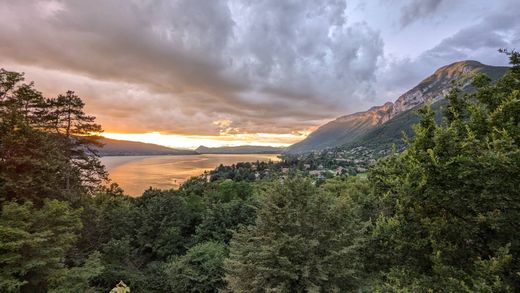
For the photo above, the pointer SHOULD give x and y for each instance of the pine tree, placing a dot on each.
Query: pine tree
(47, 146)
(78, 135)
(303, 241)
(33, 244)
(199, 270)
(30, 160)
(450, 203)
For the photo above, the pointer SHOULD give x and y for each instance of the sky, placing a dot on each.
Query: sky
(182, 73)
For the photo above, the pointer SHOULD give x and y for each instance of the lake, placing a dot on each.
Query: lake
(135, 174)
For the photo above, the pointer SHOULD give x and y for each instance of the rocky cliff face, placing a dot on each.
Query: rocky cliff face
(437, 86)
(374, 116)
(348, 128)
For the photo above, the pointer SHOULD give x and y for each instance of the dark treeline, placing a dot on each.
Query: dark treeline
(441, 216)
(47, 145)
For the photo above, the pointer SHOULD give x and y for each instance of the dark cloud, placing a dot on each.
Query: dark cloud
(418, 9)
(479, 41)
(176, 66)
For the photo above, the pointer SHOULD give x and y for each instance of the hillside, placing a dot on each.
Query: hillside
(391, 132)
(245, 149)
(345, 129)
(384, 124)
(113, 147)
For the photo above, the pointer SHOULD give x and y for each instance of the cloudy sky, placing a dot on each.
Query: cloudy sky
(228, 72)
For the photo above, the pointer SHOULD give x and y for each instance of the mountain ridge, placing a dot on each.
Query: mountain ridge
(350, 128)
(116, 147)
(244, 149)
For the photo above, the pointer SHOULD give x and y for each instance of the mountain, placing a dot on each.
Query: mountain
(245, 149)
(384, 124)
(343, 130)
(113, 147)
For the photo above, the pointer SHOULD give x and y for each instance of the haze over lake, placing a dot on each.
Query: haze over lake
(135, 174)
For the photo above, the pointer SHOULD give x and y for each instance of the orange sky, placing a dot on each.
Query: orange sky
(193, 141)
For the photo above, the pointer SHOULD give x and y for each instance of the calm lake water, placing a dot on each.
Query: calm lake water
(135, 174)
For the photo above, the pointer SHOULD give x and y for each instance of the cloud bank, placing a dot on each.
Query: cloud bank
(227, 67)
(178, 66)
(479, 41)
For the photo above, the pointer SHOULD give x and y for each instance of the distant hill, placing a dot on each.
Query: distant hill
(345, 129)
(384, 124)
(245, 149)
(113, 147)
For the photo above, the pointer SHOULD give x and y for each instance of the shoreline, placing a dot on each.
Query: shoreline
(197, 154)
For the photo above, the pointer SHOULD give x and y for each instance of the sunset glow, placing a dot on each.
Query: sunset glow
(194, 141)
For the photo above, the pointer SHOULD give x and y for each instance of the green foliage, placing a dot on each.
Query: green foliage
(241, 171)
(357, 190)
(164, 224)
(77, 134)
(105, 217)
(77, 279)
(121, 263)
(29, 162)
(45, 144)
(221, 219)
(33, 243)
(29, 159)
(138, 236)
(230, 205)
(303, 240)
(449, 203)
(199, 270)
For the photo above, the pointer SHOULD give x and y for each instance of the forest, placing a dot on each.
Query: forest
(443, 215)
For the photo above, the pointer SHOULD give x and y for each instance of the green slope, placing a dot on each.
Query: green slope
(391, 132)
(383, 125)
(343, 130)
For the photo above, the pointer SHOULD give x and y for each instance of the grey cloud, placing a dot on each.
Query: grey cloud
(417, 9)
(479, 41)
(305, 50)
(190, 62)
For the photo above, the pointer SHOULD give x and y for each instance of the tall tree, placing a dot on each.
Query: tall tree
(199, 270)
(78, 134)
(30, 160)
(33, 244)
(450, 203)
(303, 241)
(46, 145)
